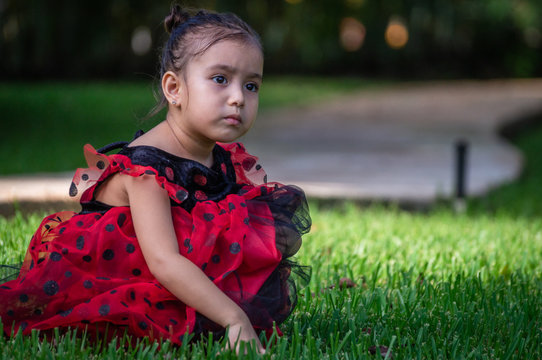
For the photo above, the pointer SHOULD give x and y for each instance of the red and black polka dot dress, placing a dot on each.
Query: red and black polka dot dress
(86, 270)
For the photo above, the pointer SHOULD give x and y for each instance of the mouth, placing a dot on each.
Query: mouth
(233, 119)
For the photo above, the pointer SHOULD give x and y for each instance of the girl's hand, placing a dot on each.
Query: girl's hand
(243, 332)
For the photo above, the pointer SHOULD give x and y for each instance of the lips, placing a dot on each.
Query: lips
(233, 119)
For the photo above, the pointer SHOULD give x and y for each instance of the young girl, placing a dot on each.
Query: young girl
(179, 232)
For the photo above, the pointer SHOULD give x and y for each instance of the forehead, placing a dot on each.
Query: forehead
(243, 56)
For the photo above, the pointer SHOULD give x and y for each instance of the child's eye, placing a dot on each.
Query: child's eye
(219, 79)
(252, 87)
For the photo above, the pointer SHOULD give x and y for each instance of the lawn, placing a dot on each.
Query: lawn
(386, 283)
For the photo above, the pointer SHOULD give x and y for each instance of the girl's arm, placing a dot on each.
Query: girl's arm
(151, 214)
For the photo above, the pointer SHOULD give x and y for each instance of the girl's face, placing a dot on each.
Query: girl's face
(219, 92)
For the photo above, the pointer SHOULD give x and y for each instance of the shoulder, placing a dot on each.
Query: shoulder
(247, 167)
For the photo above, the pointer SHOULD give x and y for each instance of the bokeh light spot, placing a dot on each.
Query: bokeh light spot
(352, 34)
(396, 34)
(141, 40)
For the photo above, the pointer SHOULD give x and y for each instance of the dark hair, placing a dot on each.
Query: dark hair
(192, 32)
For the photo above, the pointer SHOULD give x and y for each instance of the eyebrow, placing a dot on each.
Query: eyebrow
(231, 69)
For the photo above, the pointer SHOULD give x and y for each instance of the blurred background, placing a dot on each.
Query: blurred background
(375, 81)
(421, 39)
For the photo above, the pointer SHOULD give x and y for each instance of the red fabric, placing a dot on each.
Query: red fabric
(84, 270)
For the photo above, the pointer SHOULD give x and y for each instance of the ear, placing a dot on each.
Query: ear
(171, 87)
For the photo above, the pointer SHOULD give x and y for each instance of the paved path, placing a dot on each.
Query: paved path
(391, 144)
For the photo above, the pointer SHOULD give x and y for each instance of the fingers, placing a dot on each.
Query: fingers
(242, 339)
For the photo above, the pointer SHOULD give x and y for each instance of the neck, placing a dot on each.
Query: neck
(188, 146)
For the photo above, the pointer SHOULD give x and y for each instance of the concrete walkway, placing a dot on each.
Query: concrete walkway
(394, 144)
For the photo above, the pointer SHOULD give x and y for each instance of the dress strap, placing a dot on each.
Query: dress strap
(112, 146)
(118, 144)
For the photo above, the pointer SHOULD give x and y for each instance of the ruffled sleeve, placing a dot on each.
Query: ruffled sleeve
(101, 166)
(247, 168)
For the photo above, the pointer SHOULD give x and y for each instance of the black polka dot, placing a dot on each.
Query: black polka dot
(108, 254)
(121, 219)
(181, 195)
(215, 259)
(265, 179)
(132, 295)
(173, 321)
(149, 172)
(40, 260)
(263, 190)
(50, 287)
(221, 212)
(65, 313)
(130, 248)
(231, 206)
(136, 272)
(160, 305)
(235, 248)
(79, 223)
(85, 321)
(124, 304)
(87, 284)
(84, 177)
(109, 227)
(226, 274)
(97, 216)
(62, 230)
(246, 221)
(64, 251)
(68, 274)
(258, 167)
(190, 249)
(31, 264)
(87, 258)
(80, 242)
(47, 226)
(100, 165)
(23, 298)
(204, 266)
(208, 216)
(11, 313)
(147, 301)
(104, 310)
(186, 242)
(55, 256)
(143, 325)
(73, 190)
(113, 292)
(102, 278)
(38, 312)
(24, 325)
(243, 204)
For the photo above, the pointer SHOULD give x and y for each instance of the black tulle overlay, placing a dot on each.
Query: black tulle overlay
(86, 270)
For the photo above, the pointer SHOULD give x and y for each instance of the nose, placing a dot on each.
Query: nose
(236, 97)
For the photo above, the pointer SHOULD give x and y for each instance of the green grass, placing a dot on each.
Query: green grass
(45, 125)
(429, 286)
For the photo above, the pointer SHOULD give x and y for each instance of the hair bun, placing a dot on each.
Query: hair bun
(176, 17)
